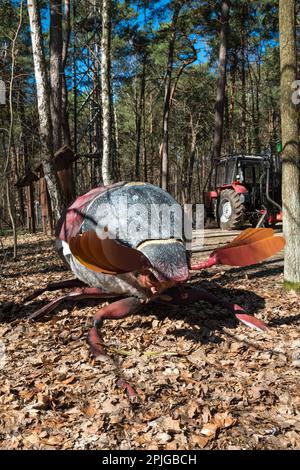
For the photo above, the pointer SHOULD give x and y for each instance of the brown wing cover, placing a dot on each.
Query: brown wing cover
(106, 255)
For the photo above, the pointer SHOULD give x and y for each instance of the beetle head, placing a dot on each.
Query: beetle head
(168, 264)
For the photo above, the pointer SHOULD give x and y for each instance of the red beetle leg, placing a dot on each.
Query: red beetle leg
(212, 261)
(181, 296)
(69, 283)
(120, 309)
(86, 293)
(131, 393)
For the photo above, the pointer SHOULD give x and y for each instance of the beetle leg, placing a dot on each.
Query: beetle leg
(181, 296)
(119, 309)
(69, 283)
(86, 293)
(212, 261)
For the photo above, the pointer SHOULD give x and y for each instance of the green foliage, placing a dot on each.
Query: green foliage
(295, 286)
(141, 30)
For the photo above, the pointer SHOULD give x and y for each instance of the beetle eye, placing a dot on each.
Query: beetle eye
(151, 277)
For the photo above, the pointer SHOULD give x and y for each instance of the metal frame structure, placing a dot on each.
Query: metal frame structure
(85, 80)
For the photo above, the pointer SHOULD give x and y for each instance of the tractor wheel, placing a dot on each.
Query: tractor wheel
(231, 211)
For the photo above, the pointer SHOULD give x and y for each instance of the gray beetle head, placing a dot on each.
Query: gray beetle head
(168, 259)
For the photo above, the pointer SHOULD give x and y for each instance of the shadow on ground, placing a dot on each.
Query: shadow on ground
(202, 317)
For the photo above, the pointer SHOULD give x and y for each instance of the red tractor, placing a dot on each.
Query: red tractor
(243, 188)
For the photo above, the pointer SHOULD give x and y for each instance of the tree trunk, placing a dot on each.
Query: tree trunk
(117, 146)
(145, 155)
(290, 144)
(184, 170)
(64, 104)
(106, 92)
(43, 101)
(191, 166)
(221, 84)
(166, 108)
(26, 165)
(243, 77)
(257, 118)
(151, 138)
(19, 193)
(252, 130)
(56, 70)
(140, 108)
(8, 153)
(232, 99)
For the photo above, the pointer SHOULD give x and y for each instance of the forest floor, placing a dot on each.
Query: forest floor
(204, 381)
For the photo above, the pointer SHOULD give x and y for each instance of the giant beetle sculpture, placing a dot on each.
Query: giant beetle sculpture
(104, 238)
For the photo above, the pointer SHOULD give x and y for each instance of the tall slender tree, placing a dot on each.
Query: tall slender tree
(168, 88)
(56, 70)
(290, 144)
(106, 91)
(221, 83)
(43, 101)
(11, 210)
(64, 99)
(139, 116)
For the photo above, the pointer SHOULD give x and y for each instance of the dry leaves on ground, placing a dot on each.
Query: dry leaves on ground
(204, 381)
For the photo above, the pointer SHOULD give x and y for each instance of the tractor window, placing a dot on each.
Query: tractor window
(258, 172)
(248, 174)
(230, 176)
(220, 177)
(252, 173)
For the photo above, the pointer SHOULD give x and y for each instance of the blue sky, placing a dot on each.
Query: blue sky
(200, 44)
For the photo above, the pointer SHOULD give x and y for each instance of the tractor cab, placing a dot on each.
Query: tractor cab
(244, 188)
